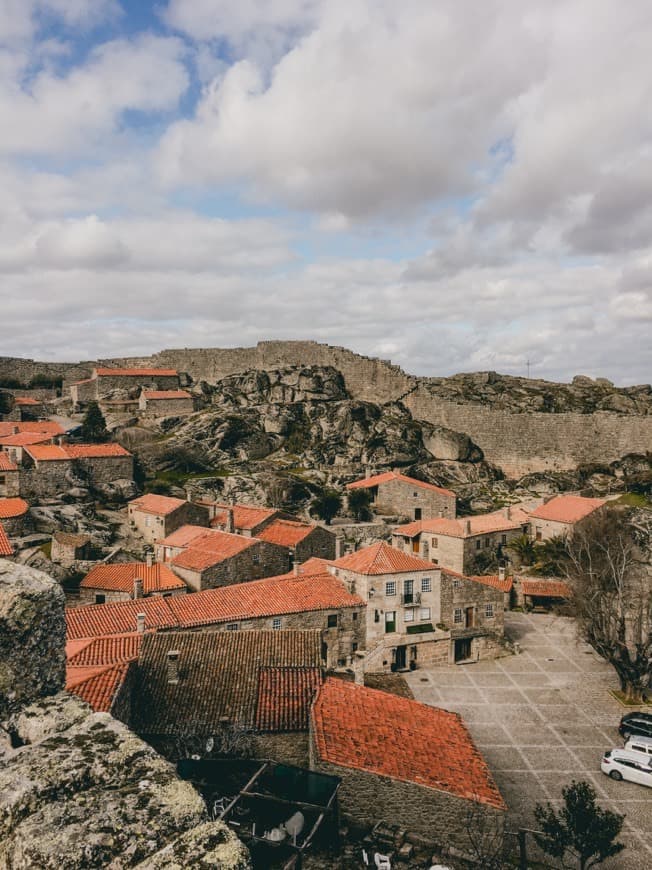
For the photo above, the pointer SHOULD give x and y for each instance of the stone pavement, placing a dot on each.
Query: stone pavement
(542, 719)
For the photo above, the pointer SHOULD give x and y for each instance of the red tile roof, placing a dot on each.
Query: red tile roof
(6, 462)
(382, 559)
(12, 507)
(314, 565)
(101, 651)
(97, 686)
(245, 517)
(5, 544)
(387, 476)
(183, 536)
(567, 508)
(95, 451)
(23, 439)
(286, 533)
(47, 453)
(284, 698)
(94, 620)
(271, 596)
(26, 400)
(395, 737)
(134, 373)
(119, 577)
(545, 588)
(504, 584)
(156, 395)
(462, 527)
(150, 503)
(212, 548)
(47, 426)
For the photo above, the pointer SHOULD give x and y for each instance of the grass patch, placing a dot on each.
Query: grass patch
(626, 702)
(46, 549)
(178, 478)
(635, 499)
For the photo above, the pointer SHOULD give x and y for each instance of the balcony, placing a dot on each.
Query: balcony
(411, 599)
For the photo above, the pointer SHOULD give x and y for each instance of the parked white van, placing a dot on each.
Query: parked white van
(622, 764)
(640, 744)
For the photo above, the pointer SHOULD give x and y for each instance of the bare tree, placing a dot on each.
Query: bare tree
(485, 834)
(611, 587)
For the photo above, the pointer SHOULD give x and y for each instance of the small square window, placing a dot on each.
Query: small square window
(331, 621)
(458, 616)
(232, 626)
(256, 559)
(415, 495)
(276, 622)
(435, 542)
(390, 588)
(354, 615)
(426, 584)
(354, 647)
(424, 614)
(100, 599)
(409, 615)
(456, 583)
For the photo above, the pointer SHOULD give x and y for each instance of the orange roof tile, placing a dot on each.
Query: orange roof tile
(211, 548)
(284, 698)
(5, 544)
(6, 462)
(545, 588)
(134, 373)
(47, 453)
(286, 533)
(504, 584)
(567, 508)
(100, 651)
(97, 686)
(314, 565)
(95, 451)
(387, 476)
(271, 596)
(12, 507)
(94, 620)
(119, 577)
(245, 517)
(150, 503)
(22, 439)
(26, 400)
(156, 395)
(366, 729)
(47, 426)
(462, 527)
(382, 559)
(183, 536)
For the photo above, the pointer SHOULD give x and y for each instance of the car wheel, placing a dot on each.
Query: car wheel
(616, 774)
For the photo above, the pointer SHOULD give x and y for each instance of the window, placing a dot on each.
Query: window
(3, 478)
(390, 588)
(232, 626)
(503, 539)
(426, 584)
(147, 521)
(255, 558)
(408, 591)
(413, 653)
(456, 583)
(276, 622)
(478, 544)
(458, 616)
(424, 614)
(415, 495)
(487, 541)
(390, 621)
(489, 610)
(376, 616)
(408, 616)
(331, 620)
(435, 542)
(100, 599)
(354, 615)
(354, 647)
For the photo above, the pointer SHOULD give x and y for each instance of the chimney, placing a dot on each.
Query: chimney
(507, 512)
(295, 569)
(230, 524)
(467, 527)
(501, 572)
(138, 587)
(149, 559)
(441, 514)
(173, 666)
(140, 623)
(338, 547)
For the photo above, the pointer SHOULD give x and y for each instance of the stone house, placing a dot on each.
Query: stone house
(122, 617)
(192, 686)
(501, 581)
(156, 516)
(6, 549)
(560, 515)
(220, 559)
(303, 540)
(14, 445)
(472, 609)
(242, 519)
(9, 476)
(402, 762)
(123, 581)
(165, 403)
(104, 381)
(540, 592)
(396, 493)
(29, 408)
(67, 548)
(13, 513)
(176, 542)
(460, 544)
(49, 469)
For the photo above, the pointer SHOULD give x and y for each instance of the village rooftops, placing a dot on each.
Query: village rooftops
(286, 533)
(462, 527)
(119, 577)
(388, 476)
(159, 395)
(12, 507)
(263, 680)
(97, 686)
(567, 509)
(5, 544)
(134, 373)
(183, 536)
(24, 439)
(382, 559)
(503, 584)
(365, 729)
(6, 462)
(68, 452)
(48, 427)
(120, 617)
(161, 505)
(96, 668)
(245, 517)
(211, 548)
(101, 651)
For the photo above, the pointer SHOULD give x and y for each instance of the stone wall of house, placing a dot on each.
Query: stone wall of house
(367, 798)
(47, 479)
(86, 391)
(89, 596)
(290, 747)
(543, 530)
(459, 594)
(154, 527)
(100, 470)
(108, 383)
(16, 526)
(257, 561)
(165, 407)
(67, 553)
(9, 484)
(320, 542)
(397, 497)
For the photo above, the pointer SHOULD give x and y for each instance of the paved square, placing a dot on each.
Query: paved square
(541, 719)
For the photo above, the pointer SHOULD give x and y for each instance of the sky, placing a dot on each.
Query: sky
(454, 185)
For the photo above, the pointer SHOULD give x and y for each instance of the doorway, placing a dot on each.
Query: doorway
(469, 617)
(462, 652)
(417, 513)
(401, 658)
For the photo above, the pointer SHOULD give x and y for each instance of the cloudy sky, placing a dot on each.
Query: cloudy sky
(452, 184)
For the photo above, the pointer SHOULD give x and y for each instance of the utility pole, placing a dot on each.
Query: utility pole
(528, 369)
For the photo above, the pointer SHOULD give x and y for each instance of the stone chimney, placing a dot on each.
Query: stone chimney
(149, 559)
(140, 623)
(295, 568)
(229, 525)
(501, 572)
(338, 547)
(173, 666)
(467, 527)
(507, 512)
(138, 587)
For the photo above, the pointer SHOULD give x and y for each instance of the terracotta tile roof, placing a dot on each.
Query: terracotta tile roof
(567, 508)
(271, 596)
(156, 395)
(366, 729)
(95, 451)
(183, 536)
(545, 588)
(47, 426)
(284, 698)
(314, 565)
(12, 507)
(6, 462)
(94, 620)
(387, 476)
(462, 527)
(119, 577)
(382, 559)
(100, 651)
(150, 503)
(504, 584)
(26, 400)
(218, 677)
(212, 548)
(134, 373)
(5, 544)
(97, 686)
(23, 439)
(47, 453)
(286, 533)
(245, 517)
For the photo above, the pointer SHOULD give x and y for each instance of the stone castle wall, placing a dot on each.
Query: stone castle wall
(518, 443)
